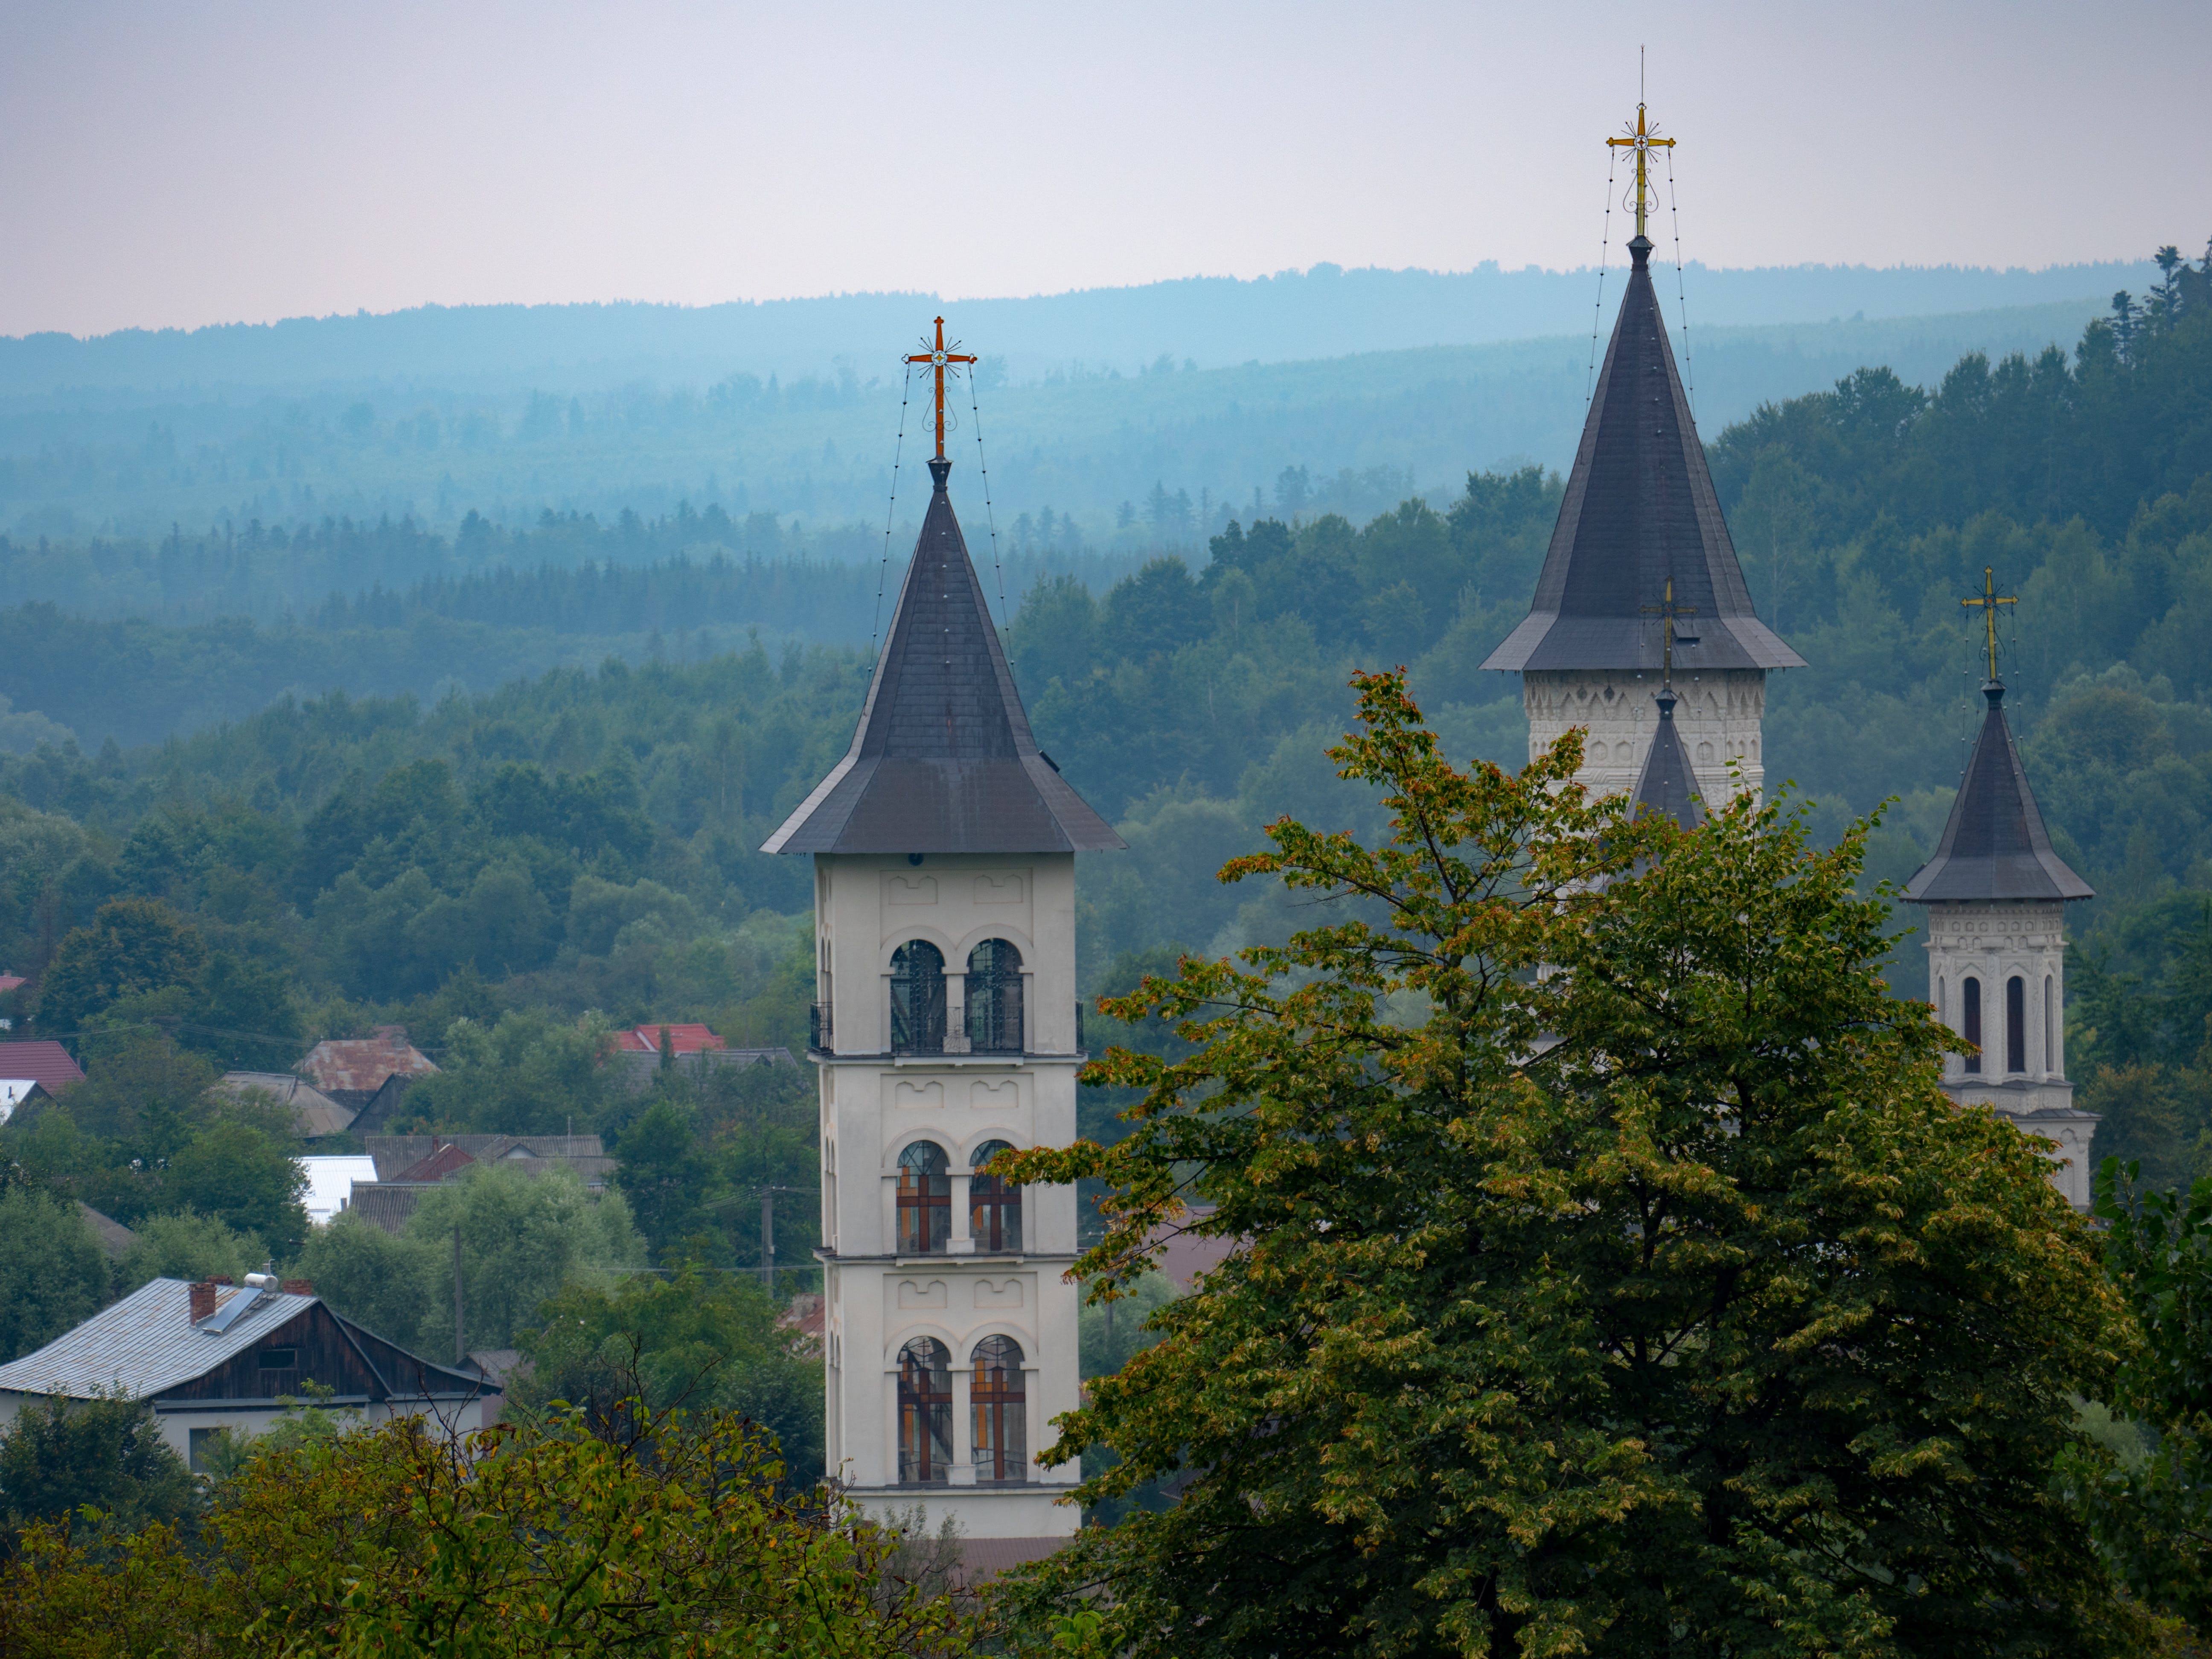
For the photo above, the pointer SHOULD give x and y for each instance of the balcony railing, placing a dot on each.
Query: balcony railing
(995, 1016)
(918, 1015)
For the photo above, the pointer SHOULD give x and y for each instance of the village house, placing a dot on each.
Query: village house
(368, 1075)
(213, 1355)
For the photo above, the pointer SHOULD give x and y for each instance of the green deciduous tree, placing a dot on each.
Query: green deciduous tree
(665, 1175)
(1658, 1302)
(187, 1246)
(527, 1074)
(523, 1238)
(2152, 1512)
(697, 1337)
(243, 1177)
(628, 1533)
(378, 1279)
(133, 945)
(52, 1275)
(59, 1456)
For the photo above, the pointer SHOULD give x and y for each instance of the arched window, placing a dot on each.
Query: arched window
(2049, 1019)
(925, 1200)
(1000, 1411)
(2015, 1023)
(994, 1206)
(925, 1409)
(1970, 999)
(994, 999)
(917, 999)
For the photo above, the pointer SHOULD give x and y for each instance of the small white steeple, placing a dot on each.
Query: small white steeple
(1996, 896)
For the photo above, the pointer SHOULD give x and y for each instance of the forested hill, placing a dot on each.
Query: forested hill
(1191, 705)
(1325, 312)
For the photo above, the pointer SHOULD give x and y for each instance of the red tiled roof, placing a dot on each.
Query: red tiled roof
(47, 1062)
(448, 1161)
(1184, 1255)
(685, 1039)
(9, 982)
(807, 1319)
(982, 1560)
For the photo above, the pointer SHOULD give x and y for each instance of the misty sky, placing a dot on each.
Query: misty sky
(200, 160)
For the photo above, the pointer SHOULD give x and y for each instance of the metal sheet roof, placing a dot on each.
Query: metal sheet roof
(396, 1154)
(1995, 846)
(1667, 784)
(942, 760)
(1640, 511)
(147, 1342)
(313, 1113)
(330, 1181)
(361, 1065)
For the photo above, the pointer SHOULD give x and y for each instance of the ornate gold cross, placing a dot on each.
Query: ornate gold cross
(1668, 611)
(1642, 144)
(1989, 601)
(938, 361)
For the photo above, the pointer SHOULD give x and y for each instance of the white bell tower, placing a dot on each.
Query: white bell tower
(946, 1029)
(1996, 896)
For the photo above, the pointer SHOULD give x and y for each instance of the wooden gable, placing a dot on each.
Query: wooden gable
(313, 1346)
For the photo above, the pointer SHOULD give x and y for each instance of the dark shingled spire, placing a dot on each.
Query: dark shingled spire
(1639, 509)
(1994, 846)
(944, 760)
(1667, 784)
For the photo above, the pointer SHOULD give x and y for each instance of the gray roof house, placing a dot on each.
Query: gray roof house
(314, 1114)
(213, 1355)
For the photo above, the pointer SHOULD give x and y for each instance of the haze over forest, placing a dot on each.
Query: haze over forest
(1377, 384)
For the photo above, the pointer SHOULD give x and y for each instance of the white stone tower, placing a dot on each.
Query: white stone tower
(1641, 547)
(945, 1028)
(1996, 896)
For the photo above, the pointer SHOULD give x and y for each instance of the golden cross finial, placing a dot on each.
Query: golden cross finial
(1642, 144)
(1989, 601)
(1668, 611)
(939, 359)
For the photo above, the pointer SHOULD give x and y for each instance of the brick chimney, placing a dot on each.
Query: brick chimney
(203, 1299)
(298, 1287)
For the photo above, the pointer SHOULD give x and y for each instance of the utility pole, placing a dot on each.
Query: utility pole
(460, 1334)
(767, 1233)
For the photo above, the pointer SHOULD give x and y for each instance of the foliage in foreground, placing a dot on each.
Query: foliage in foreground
(2152, 1513)
(59, 1456)
(613, 1532)
(1658, 1304)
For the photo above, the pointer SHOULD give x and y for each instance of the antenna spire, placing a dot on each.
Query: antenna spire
(939, 360)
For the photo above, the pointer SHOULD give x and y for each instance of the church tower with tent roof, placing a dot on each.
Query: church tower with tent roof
(946, 1029)
(1997, 895)
(1641, 572)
